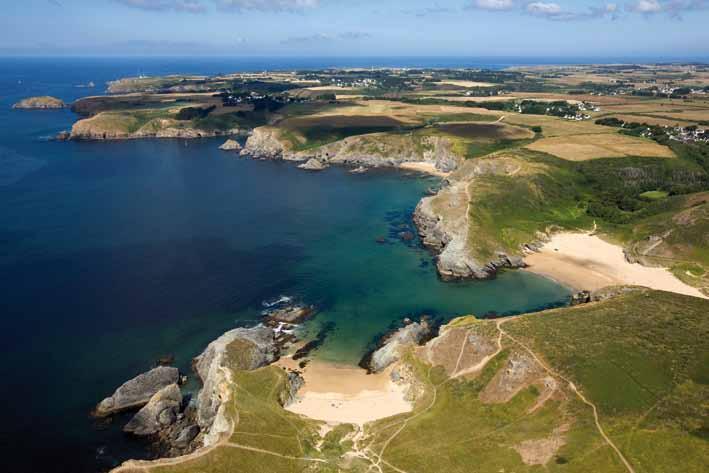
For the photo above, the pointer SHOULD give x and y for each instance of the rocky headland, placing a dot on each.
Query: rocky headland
(107, 126)
(44, 102)
(370, 150)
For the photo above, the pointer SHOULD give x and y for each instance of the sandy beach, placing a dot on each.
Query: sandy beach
(585, 261)
(347, 394)
(425, 167)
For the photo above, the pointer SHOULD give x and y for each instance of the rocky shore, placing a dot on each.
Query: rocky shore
(443, 221)
(178, 423)
(389, 347)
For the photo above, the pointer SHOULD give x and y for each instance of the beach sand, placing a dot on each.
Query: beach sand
(347, 394)
(425, 167)
(585, 261)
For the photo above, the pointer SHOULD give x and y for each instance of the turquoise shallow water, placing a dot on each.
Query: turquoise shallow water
(117, 253)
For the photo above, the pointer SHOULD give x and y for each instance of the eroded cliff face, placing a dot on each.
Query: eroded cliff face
(445, 224)
(241, 348)
(106, 127)
(371, 150)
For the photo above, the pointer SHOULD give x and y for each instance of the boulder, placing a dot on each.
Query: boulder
(581, 297)
(138, 391)
(412, 334)
(230, 145)
(313, 164)
(160, 412)
(186, 436)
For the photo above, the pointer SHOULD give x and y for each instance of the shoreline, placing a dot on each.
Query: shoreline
(423, 167)
(343, 394)
(584, 261)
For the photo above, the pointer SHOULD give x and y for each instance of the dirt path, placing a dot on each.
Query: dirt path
(275, 454)
(572, 386)
(480, 365)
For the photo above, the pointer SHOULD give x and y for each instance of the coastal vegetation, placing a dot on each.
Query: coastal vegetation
(571, 389)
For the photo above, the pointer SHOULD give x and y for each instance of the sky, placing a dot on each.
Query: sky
(257, 28)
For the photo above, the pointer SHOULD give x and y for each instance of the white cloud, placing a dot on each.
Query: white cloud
(544, 9)
(647, 6)
(267, 5)
(189, 6)
(493, 4)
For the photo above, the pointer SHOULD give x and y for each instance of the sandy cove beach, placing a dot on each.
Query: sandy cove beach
(347, 394)
(424, 167)
(585, 261)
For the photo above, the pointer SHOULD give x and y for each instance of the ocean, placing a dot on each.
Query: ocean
(117, 253)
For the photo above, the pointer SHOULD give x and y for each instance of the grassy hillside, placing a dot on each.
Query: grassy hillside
(641, 358)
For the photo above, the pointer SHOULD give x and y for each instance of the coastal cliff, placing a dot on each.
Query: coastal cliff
(115, 126)
(237, 349)
(369, 150)
(446, 224)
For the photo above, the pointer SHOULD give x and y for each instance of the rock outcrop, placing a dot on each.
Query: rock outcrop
(389, 352)
(138, 391)
(160, 412)
(230, 145)
(241, 348)
(313, 164)
(39, 103)
(294, 382)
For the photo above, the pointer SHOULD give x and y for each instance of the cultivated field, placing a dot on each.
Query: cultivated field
(608, 145)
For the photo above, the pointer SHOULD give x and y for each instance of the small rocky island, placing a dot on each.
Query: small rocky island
(44, 102)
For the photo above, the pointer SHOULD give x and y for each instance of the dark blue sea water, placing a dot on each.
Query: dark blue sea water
(113, 254)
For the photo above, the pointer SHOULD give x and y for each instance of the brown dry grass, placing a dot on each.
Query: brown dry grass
(402, 112)
(553, 126)
(613, 145)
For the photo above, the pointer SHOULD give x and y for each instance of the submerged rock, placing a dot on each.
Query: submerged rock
(241, 349)
(160, 412)
(313, 164)
(291, 314)
(412, 334)
(230, 145)
(137, 391)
